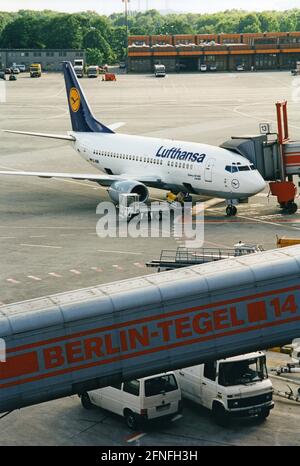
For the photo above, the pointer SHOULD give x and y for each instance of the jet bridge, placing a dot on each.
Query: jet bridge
(81, 340)
(275, 157)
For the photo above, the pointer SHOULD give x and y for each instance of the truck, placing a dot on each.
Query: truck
(232, 387)
(159, 71)
(92, 71)
(296, 71)
(79, 67)
(35, 70)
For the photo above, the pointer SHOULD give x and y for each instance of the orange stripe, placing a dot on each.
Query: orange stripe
(150, 350)
(150, 319)
(293, 159)
(19, 365)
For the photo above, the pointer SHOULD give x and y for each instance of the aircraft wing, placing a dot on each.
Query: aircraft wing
(103, 179)
(65, 137)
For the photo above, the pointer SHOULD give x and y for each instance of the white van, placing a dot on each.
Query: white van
(139, 400)
(231, 387)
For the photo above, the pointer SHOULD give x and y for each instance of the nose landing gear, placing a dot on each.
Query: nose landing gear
(231, 210)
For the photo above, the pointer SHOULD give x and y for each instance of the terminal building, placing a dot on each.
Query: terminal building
(49, 59)
(225, 52)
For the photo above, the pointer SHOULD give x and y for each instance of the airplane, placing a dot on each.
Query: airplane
(133, 164)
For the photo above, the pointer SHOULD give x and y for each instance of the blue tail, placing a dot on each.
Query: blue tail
(82, 117)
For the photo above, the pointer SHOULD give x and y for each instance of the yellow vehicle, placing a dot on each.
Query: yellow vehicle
(35, 70)
(284, 242)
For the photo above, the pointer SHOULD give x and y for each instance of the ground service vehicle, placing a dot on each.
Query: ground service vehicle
(7, 71)
(240, 68)
(139, 400)
(159, 71)
(2, 75)
(231, 387)
(203, 67)
(22, 68)
(92, 71)
(79, 67)
(35, 70)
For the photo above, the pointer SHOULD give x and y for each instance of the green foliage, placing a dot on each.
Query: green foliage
(105, 37)
(94, 57)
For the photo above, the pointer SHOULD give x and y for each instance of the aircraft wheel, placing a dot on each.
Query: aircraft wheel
(292, 207)
(231, 210)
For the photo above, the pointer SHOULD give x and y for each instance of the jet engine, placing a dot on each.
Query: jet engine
(127, 187)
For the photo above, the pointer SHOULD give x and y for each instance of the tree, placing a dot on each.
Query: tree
(268, 22)
(94, 40)
(64, 32)
(94, 57)
(249, 23)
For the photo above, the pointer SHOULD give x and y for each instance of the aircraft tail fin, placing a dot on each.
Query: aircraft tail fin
(82, 117)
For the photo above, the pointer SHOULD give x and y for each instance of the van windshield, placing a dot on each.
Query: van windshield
(242, 372)
(162, 384)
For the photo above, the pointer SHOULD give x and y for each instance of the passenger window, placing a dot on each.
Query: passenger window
(161, 162)
(132, 387)
(210, 370)
(183, 165)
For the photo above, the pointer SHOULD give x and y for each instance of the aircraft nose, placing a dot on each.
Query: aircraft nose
(258, 184)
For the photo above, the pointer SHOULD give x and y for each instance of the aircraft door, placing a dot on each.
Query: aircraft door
(208, 170)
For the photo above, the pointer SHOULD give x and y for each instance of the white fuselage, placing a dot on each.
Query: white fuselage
(176, 165)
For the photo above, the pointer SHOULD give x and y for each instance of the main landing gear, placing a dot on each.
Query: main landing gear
(231, 210)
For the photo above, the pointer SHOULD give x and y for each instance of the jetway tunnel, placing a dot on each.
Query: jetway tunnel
(77, 341)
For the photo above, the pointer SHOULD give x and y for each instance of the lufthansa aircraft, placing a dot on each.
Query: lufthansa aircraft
(132, 164)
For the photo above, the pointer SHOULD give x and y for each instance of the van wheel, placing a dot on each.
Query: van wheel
(263, 415)
(86, 401)
(220, 415)
(130, 419)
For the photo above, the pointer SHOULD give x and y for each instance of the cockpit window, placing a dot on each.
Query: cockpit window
(244, 168)
(252, 167)
(231, 168)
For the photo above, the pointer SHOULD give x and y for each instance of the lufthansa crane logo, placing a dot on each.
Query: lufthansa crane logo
(74, 99)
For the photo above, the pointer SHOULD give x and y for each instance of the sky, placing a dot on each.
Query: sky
(107, 7)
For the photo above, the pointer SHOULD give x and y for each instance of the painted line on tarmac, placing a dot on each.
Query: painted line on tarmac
(120, 252)
(38, 236)
(8, 237)
(97, 269)
(54, 274)
(75, 271)
(135, 437)
(138, 264)
(12, 280)
(41, 246)
(33, 277)
(117, 267)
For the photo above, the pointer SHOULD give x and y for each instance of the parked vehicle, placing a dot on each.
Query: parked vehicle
(92, 71)
(79, 67)
(159, 71)
(240, 68)
(231, 387)
(7, 71)
(16, 71)
(12, 77)
(140, 400)
(213, 68)
(203, 67)
(35, 70)
(2, 75)
(122, 65)
(21, 67)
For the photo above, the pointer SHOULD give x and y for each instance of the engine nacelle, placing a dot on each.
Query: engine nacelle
(127, 187)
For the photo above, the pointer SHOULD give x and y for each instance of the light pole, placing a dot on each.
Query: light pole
(126, 25)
